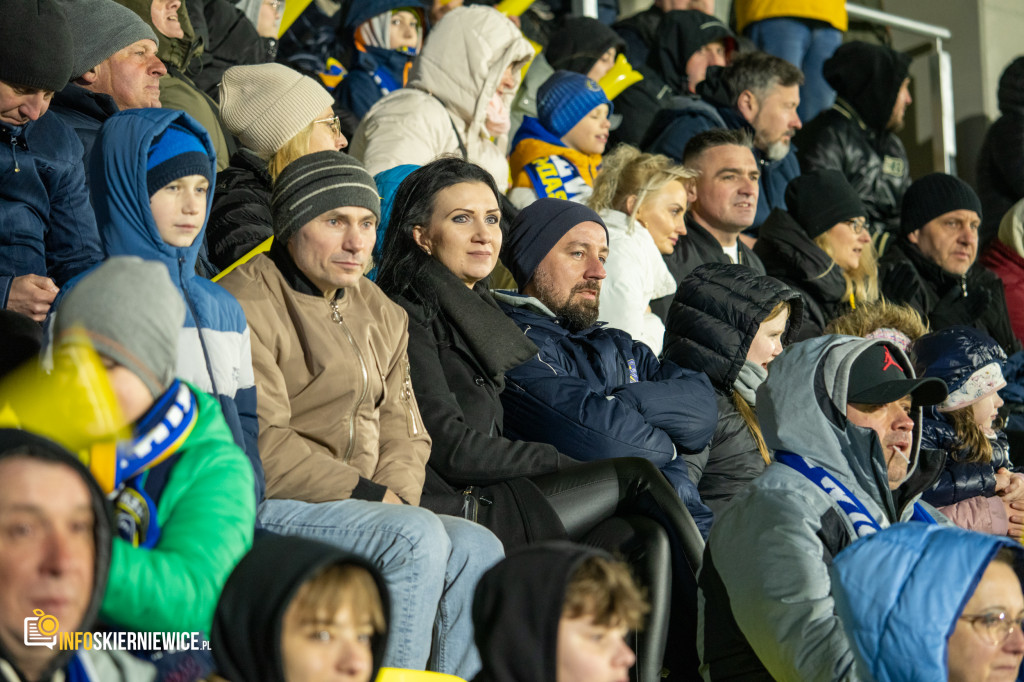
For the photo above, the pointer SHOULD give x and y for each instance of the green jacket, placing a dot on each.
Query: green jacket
(207, 514)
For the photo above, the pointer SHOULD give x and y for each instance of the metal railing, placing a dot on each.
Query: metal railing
(940, 70)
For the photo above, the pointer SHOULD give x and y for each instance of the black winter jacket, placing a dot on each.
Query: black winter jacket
(1001, 161)
(697, 247)
(791, 256)
(960, 480)
(907, 276)
(458, 356)
(240, 217)
(229, 39)
(713, 320)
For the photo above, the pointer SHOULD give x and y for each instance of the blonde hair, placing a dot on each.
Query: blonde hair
(862, 282)
(294, 148)
(605, 590)
(341, 586)
(743, 407)
(880, 315)
(969, 436)
(627, 172)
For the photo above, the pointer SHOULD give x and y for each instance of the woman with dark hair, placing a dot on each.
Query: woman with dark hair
(441, 243)
(730, 322)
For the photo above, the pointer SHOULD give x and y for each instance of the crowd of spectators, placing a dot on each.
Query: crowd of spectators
(413, 335)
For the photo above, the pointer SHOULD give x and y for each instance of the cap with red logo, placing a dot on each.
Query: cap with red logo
(877, 378)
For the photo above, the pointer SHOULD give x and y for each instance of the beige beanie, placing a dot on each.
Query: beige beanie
(266, 105)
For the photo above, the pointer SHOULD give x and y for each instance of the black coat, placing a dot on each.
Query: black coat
(1000, 171)
(790, 255)
(713, 320)
(229, 39)
(696, 248)
(907, 276)
(458, 356)
(240, 217)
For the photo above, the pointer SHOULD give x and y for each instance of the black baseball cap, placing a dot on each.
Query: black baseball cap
(877, 378)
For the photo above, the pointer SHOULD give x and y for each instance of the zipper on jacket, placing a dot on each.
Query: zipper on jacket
(14, 155)
(336, 317)
(470, 505)
(407, 396)
(963, 285)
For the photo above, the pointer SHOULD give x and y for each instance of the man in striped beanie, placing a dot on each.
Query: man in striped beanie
(340, 430)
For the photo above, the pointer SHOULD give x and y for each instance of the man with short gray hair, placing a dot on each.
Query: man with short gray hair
(758, 93)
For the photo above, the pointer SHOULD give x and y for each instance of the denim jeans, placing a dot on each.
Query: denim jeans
(806, 45)
(431, 564)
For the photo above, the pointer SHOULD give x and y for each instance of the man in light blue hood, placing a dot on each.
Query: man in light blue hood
(843, 416)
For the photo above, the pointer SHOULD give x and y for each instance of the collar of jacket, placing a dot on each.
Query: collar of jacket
(517, 305)
(788, 253)
(494, 340)
(704, 241)
(15, 134)
(933, 273)
(248, 160)
(296, 278)
(97, 105)
(533, 142)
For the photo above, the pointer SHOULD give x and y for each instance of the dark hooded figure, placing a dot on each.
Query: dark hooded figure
(529, 607)
(857, 136)
(285, 581)
(1001, 161)
(686, 43)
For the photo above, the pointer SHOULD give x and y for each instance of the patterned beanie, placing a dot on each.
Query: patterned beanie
(316, 183)
(266, 105)
(175, 154)
(565, 99)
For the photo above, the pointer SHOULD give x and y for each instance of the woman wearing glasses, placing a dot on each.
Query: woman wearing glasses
(820, 246)
(278, 115)
(924, 602)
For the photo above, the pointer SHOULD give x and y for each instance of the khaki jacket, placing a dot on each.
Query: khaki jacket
(450, 86)
(337, 414)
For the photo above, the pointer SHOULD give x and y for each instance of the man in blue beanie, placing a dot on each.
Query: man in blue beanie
(931, 266)
(592, 391)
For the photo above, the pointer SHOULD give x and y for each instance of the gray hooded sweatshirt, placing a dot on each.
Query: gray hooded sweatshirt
(766, 609)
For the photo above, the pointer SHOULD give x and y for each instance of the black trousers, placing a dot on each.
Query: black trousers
(627, 507)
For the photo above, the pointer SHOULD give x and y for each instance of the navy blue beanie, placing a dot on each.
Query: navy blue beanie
(566, 98)
(537, 229)
(175, 154)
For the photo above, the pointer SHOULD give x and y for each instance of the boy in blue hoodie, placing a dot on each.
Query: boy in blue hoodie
(385, 37)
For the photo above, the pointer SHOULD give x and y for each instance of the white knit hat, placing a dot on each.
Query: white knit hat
(266, 105)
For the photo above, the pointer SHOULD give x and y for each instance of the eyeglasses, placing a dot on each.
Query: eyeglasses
(334, 123)
(995, 628)
(274, 4)
(858, 226)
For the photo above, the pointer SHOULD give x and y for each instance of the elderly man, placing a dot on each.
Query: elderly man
(54, 557)
(47, 228)
(340, 431)
(857, 136)
(115, 68)
(843, 416)
(932, 267)
(757, 93)
(723, 201)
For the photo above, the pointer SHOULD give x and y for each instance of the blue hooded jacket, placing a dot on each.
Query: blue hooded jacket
(214, 353)
(900, 592)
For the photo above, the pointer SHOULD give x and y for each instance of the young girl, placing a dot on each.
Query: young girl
(977, 489)
(642, 200)
(558, 153)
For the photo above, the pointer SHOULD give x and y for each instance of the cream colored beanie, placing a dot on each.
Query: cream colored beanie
(265, 105)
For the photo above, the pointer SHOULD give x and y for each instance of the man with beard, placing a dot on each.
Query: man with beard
(592, 390)
(857, 136)
(757, 93)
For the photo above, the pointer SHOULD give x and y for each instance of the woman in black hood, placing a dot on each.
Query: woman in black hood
(292, 604)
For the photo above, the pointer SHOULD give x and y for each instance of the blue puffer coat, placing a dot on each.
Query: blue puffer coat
(47, 226)
(899, 624)
(715, 109)
(214, 352)
(596, 394)
(953, 355)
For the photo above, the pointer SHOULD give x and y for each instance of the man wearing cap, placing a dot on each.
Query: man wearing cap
(931, 266)
(115, 68)
(857, 136)
(592, 391)
(843, 416)
(340, 430)
(757, 93)
(47, 228)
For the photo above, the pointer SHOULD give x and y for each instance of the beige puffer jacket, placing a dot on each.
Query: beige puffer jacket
(450, 86)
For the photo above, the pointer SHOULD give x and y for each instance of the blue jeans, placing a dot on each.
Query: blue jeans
(431, 564)
(806, 45)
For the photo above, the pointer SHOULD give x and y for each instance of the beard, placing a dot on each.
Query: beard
(774, 151)
(577, 313)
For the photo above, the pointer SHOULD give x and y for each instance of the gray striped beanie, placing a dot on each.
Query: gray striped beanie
(316, 183)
